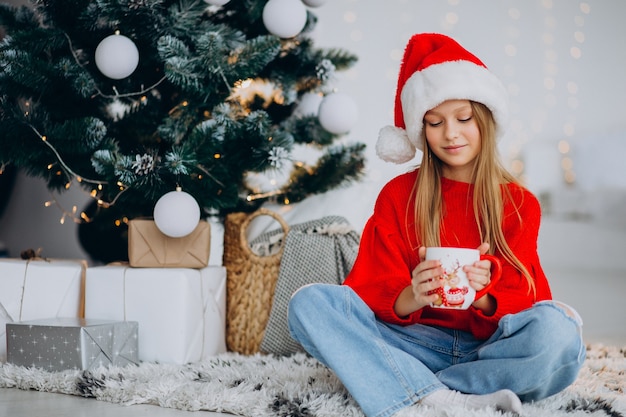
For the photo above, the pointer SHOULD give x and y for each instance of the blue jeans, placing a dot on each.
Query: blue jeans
(535, 353)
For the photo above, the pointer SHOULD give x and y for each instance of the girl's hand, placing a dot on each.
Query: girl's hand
(479, 276)
(426, 278)
(479, 273)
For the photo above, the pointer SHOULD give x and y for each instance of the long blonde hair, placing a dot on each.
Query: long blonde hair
(490, 192)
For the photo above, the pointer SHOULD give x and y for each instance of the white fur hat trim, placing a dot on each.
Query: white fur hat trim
(452, 80)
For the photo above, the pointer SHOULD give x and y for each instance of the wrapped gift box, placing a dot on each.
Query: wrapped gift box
(38, 289)
(181, 312)
(71, 343)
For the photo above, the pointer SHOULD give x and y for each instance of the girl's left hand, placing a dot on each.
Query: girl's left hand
(479, 276)
(479, 273)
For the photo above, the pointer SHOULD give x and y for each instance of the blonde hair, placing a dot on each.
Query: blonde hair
(490, 193)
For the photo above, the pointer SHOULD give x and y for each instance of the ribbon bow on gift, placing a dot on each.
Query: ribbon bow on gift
(29, 254)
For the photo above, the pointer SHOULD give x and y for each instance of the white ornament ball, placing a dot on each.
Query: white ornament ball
(314, 3)
(284, 18)
(176, 214)
(338, 113)
(216, 2)
(309, 104)
(117, 56)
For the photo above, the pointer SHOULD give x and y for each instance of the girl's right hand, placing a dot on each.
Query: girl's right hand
(426, 278)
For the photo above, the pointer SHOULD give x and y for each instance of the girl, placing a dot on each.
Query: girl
(378, 331)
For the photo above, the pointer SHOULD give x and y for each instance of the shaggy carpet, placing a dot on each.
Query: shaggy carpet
(297, 386)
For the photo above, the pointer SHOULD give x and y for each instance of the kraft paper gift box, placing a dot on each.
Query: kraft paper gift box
(71, 343)
(38, 289)
(181, 312)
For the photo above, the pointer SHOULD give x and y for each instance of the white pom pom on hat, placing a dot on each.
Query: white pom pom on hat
(436, 68)
(393, 145)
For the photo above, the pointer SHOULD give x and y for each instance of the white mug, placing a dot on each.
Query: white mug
(456, 293)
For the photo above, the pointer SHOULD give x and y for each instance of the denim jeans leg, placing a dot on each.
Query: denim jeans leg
(437, 348)
(335, 326)
(535, 353)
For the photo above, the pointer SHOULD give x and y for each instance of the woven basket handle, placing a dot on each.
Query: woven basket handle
(245, 245)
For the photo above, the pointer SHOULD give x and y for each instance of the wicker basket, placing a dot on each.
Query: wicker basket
(251, 280)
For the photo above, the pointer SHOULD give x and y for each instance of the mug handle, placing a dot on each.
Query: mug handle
(496, 273)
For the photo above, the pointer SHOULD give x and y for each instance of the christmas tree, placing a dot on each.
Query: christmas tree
(129, 99)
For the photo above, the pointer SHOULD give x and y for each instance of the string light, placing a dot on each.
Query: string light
(511, 50)
(268, 194)
(451, 18)
(67, 214)
(74, 176)
(552, 83)
(245, 92)
(567, 163)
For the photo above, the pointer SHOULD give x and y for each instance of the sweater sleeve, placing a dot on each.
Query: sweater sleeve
(383, 266)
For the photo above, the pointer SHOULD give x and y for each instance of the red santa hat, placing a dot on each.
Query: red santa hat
(435, 68)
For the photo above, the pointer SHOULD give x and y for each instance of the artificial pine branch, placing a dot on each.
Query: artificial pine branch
(339, 166)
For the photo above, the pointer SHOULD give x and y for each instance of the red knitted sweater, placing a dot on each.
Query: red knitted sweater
(387, 255)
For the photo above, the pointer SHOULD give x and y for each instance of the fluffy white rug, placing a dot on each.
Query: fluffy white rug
(297, 386)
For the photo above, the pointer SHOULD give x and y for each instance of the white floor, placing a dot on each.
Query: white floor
(18, 403)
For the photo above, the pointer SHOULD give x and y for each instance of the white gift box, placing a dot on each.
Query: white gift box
(38, 289)
(181, 312)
